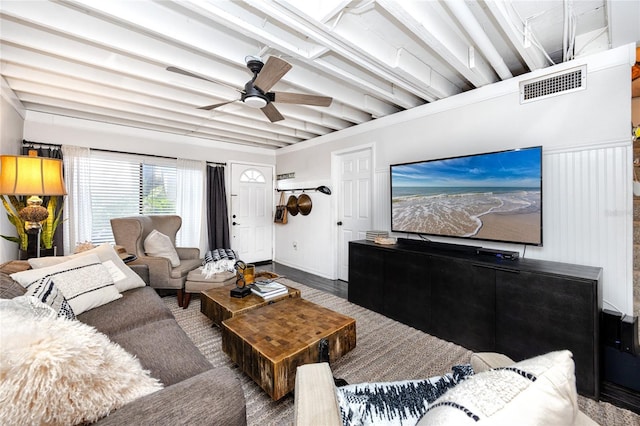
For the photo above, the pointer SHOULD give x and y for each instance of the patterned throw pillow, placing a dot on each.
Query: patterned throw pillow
(537, 391)
(123, 277)
(85, 282)
(45, 291)
(219, 254)
(395, 403)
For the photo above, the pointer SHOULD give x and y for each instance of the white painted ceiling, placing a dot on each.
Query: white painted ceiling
(106, 60)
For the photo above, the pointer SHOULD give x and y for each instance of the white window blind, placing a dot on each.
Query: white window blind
(129, 185)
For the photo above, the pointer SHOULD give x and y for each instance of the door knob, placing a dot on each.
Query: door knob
(339, 223)
(235, 223)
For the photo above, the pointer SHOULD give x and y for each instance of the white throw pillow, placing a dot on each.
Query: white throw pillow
(85, 282)
(57, 371)
(123, 277)
(537, 391)
(159, 245)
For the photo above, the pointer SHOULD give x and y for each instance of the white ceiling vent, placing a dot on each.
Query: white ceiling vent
(555, 84)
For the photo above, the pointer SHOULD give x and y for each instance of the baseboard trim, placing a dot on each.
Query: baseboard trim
(620, 396)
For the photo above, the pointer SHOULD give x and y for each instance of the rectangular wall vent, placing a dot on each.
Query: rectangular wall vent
(554, 84)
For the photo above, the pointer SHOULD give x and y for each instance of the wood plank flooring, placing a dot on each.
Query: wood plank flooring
(335, 287)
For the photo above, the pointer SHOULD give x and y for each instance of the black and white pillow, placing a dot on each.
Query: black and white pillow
(124, 278)
(84, 281)
(395, 403)
(45, 291)
(219, 254)
(538, 391)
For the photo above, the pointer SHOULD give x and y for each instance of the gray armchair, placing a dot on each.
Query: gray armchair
(130, 233)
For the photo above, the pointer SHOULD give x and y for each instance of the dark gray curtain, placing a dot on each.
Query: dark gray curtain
(217, 209)
(48, 151)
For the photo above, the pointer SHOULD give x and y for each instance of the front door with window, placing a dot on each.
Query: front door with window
(251, 211)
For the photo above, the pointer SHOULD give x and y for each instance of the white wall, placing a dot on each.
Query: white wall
(48, 128)
(11, 125)
(587, 163)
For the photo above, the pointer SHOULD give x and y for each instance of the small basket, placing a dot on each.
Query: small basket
(266, 275)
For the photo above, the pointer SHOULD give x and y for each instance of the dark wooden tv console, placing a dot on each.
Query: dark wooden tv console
(521, 308)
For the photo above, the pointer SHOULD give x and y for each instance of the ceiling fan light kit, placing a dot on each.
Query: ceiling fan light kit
(256, 91)
(255, 101)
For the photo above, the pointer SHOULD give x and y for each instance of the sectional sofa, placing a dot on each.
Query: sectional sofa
(193, 391)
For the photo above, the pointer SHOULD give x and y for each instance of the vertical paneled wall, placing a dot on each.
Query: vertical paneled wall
(588, 215)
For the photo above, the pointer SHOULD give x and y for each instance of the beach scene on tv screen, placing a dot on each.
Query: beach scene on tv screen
(493, 196)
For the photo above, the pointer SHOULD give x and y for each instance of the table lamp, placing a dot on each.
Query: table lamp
(32, 176)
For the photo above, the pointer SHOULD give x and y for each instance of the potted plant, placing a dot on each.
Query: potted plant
(13, 206)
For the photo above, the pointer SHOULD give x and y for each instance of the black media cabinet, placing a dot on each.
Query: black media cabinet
(521, 308)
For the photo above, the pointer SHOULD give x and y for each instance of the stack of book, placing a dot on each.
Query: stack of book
(268, 289)
(372, 235)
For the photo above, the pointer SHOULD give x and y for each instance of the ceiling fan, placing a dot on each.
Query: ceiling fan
(256, 92)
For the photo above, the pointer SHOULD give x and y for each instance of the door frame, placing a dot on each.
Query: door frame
(337, 190)
(229, 200)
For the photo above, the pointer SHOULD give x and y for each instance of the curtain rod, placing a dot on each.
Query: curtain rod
(40, 144)
(115, 152)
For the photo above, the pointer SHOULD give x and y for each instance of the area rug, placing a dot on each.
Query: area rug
(386, 350)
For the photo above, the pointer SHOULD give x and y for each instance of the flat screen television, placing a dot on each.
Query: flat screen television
(496, 196)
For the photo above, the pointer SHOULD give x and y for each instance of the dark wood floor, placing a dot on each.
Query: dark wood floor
(335, 287)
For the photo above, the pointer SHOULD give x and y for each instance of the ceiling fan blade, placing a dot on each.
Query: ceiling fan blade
(271, 73)
(301, 98)
(202, 77)
(214, 106)
(272, 113)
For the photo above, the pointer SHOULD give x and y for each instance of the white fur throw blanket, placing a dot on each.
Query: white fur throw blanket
(59, 371)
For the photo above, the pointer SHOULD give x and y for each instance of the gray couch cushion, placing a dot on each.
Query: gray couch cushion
(163, 348)
(137, 307)
(214, 397)
(10, 288)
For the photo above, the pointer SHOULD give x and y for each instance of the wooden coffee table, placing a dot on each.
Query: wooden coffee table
(218, 305)
(269, 343)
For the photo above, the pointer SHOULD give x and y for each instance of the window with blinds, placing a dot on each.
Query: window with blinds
(129, 185)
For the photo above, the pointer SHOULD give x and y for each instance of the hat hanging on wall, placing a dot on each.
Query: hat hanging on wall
(292, 205)
(304, 204)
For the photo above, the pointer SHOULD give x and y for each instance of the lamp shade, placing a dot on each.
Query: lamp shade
(30, 175)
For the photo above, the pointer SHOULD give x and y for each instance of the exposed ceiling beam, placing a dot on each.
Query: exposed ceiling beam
(439, 37)
(119, 49)
(86, 102)
(519, 34)
(107, 60)
(475, 31)
(385, 65)
(95, 114)
(300, 75)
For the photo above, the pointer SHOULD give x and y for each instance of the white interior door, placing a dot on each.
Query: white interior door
(354, 210)
(251, 211)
